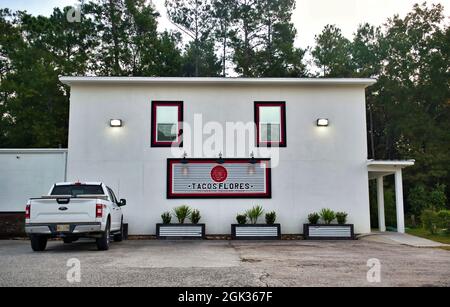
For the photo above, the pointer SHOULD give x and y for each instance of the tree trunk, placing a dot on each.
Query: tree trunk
(116, 51)
(225, 51)
(372, 139)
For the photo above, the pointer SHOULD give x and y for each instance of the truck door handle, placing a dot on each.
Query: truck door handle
(62, 208)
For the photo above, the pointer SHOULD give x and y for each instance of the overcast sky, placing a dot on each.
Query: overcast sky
(309, 18)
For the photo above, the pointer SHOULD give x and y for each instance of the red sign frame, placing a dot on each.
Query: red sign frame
(243, 195)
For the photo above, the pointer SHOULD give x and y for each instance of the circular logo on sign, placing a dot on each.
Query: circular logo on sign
(219, 174)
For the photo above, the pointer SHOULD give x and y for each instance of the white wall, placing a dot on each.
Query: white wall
(321, 167)
(28, 173)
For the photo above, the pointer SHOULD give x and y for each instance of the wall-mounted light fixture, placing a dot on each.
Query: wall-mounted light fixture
(323, 122)
(252, 158)
(115, 123)
(184, 160)
(220, 160)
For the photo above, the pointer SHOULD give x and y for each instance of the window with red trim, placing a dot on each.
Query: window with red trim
(167, 121)
(270, 120)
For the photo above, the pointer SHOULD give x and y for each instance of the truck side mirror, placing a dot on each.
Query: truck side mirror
(122, 202)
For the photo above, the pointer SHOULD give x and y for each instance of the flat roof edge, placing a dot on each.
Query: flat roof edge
(32, 150)
(205, 81)
(391, 162)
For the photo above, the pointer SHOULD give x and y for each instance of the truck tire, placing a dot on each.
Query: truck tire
(38, 243)
(119, 237)
(103, 242)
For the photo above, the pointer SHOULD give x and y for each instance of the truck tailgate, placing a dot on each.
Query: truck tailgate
(68, 210)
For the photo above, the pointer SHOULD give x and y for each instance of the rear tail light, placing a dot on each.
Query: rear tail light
(99, 211)
(28, 212)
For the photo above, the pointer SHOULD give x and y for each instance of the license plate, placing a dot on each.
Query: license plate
(63, 228)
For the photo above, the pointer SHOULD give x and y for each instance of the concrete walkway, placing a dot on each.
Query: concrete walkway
(396, 238)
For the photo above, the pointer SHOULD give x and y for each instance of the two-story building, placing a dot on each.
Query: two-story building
(293, 146)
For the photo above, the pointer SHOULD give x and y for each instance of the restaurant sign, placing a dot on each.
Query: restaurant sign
(210, 178)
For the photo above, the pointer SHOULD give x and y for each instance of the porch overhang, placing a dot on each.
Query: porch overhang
(378, 170)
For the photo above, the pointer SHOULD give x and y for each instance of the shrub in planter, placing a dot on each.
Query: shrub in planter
(327, 216)
(182, 213)
(241, 219)
(341, 218)
(313, 218)
(166, 217)
(195, 216)
(271, 217)
(254, 214)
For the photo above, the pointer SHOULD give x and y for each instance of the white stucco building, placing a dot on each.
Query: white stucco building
(316, 129)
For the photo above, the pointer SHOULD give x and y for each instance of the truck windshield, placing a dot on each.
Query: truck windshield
(76, 190)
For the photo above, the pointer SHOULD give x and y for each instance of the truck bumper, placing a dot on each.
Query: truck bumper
(74, 229)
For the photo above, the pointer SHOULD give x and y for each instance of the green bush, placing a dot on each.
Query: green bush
(430, 221)
(166, 217)
(418, 199)
(182, 213)
(195, 216)
(271, 217)
(327, 216)
(254, 214)
(341, 218)
(438, 199)
(314, 218)
(241, 219)
(444, 220)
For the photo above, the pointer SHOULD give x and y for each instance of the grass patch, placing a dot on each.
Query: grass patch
(420, 232)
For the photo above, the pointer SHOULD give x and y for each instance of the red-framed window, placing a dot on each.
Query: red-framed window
(270, 120)
(167, 123)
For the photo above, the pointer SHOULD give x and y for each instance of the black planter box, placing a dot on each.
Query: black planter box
(328, 232)
(180, 231)
(256, 232)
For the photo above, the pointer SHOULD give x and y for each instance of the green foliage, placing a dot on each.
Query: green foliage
(435, 221)
(241, 219)
(327, 216)
(408, 110)
(208, 63)
(271, 217)
(444, 220)
(113, 38)
(418, 199)
(333, 53)
(182, 213)
(254, 214)
(195, 19)
(166, 217)
(438, 199)
(341, 217)
(430, 221)
(314, 218)
(195, 216)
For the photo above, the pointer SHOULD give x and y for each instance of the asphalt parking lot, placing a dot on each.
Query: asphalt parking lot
(224, 263)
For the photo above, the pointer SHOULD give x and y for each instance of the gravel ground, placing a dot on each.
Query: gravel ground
(224, 263)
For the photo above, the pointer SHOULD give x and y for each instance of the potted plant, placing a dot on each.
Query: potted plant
(341, 218)
(181, 230)
(253, 230)
(321, 226)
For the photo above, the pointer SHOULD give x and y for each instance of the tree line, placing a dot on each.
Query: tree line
(407, 109)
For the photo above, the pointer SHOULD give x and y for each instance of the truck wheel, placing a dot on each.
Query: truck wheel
(103, 242)
(119, 237)
(38, 243)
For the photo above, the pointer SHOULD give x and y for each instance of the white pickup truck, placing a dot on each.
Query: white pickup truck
(75, 210)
